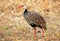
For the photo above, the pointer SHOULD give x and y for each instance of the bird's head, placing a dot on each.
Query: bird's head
(22, 7)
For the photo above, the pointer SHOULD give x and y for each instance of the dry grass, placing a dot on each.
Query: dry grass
(13, 26)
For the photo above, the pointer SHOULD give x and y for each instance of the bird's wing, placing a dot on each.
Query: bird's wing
(36, 18)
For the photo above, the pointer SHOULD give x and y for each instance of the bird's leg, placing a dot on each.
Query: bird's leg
(42, 31)
(34, 32)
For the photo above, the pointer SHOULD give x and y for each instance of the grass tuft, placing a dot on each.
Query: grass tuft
(4, 27)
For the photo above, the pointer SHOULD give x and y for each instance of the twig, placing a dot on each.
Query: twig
(2, 14)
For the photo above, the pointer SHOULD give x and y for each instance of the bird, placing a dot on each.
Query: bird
(34, 19)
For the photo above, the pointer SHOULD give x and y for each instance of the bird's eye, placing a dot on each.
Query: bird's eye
(22, 6)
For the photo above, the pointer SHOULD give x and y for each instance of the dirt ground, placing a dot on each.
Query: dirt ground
(13, 26)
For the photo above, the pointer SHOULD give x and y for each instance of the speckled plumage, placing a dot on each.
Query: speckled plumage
(34, 19)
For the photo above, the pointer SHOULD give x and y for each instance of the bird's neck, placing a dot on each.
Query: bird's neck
(26, 11)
